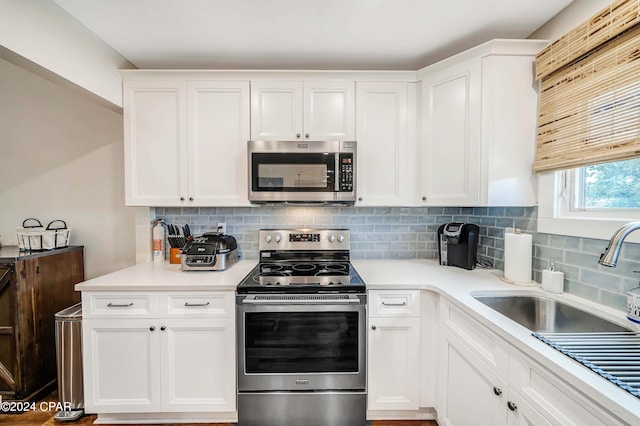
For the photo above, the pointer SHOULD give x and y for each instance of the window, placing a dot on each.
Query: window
(609, 186)
(588, 145)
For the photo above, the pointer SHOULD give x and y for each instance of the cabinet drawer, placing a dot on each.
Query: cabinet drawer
(198, 304)
(392, 303)
(478, 339)
(119, 305)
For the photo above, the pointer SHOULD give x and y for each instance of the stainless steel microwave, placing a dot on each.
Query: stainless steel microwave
(308, 172)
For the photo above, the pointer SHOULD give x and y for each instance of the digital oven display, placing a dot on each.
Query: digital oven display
(304, 238)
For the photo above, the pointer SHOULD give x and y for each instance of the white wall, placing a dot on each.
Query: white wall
(43, 33)
(61, 157)
(570, 17)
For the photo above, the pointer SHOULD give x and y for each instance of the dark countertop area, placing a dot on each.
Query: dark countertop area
(9, 254)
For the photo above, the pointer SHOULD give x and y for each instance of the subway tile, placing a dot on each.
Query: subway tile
(496, 211)
(468, 211)
(630, 251)
(427, 219)
(564, 242)
(504, 222)
(452, 210)
(495, 232)
(444, 219)
(598, 279)
(480, 211)
(516, 212)
(548, 253)
(613, 300)
(581, 290)
(590, 245)
(540, 239)
(485, 221)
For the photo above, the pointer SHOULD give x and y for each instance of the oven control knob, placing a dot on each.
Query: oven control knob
(332, 238)
(278, 238)
(341, 238)
(268, 238)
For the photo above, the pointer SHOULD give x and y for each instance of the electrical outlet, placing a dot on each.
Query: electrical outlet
(222, 227)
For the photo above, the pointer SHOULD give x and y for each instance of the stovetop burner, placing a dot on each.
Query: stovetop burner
(303, 261)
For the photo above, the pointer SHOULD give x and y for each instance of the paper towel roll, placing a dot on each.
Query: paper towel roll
(517, 258)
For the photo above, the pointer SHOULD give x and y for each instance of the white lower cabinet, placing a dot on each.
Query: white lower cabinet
(394, 362)
(484, 380)
(121, 365)
(165, 363)
(558, 402)
(393, 350)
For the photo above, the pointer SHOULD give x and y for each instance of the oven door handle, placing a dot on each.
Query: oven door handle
(271, 300)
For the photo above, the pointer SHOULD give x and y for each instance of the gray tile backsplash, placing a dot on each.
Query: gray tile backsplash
(410, 233)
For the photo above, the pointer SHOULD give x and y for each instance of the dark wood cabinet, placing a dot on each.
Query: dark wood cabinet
(33, 288)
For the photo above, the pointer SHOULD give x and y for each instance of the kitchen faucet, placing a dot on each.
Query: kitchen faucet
(610, 256)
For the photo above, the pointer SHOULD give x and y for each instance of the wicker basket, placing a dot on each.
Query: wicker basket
(32, 236)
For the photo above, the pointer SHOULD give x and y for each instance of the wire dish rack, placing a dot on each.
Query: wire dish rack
(32, 236)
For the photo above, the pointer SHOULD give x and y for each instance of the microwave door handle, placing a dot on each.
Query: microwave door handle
(336, 173)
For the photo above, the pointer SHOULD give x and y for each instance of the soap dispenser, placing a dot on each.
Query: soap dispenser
(552, 280)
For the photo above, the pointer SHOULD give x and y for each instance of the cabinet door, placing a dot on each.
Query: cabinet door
(155, 157)
(121, 361)
(329, 110)
(217, 142)
(276, 110)
(469, 392)
(450, 166)
(381, 126)
(198, 365)
(520, 413)
(554, 399)
(394, 364)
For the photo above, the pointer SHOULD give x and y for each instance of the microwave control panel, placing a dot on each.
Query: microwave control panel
(346, 172)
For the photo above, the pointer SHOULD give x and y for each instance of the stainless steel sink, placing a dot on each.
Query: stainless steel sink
(545, 315)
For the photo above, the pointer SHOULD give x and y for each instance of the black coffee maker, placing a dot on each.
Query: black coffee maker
(458, 244)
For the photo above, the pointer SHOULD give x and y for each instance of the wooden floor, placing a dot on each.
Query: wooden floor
(38, 418)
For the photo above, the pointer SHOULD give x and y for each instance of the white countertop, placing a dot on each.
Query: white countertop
(152, 276)
(455, 284)
(458, 285)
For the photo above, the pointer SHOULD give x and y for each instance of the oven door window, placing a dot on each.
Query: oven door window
(301, 342)
(293, 172)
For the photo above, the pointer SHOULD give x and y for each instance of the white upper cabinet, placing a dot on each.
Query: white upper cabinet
(292, 110)
(155, 133)
(479, 112)
(186, 142)
(451, 157)
(218, 115)
(381, 126)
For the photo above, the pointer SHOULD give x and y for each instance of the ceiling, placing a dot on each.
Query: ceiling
(303, 34)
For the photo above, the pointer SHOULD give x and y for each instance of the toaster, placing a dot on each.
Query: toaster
(212, 251)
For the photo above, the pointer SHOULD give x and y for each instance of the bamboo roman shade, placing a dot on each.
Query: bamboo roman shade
(589, 109)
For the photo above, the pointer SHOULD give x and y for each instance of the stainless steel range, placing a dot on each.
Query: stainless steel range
(301, 317)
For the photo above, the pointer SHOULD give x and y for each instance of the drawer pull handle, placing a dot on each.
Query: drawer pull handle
(395, 304)
(112, 305)
(497, 391)
(512, 406)
(196, 304)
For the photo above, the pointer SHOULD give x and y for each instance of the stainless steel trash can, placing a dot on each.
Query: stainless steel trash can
(69, 360)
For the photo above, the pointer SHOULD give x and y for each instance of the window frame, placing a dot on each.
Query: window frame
(556, 217)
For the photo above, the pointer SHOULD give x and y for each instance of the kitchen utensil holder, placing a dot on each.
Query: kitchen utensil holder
(32, 236)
